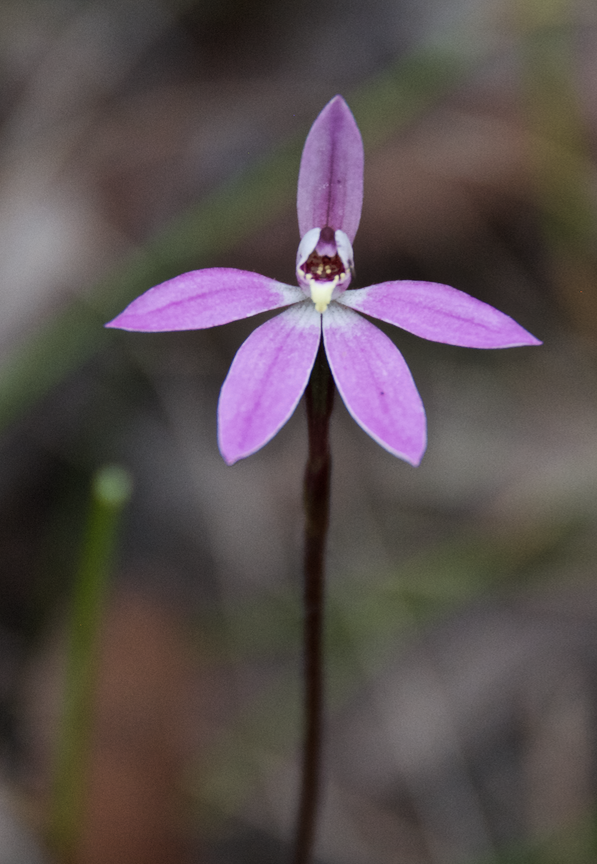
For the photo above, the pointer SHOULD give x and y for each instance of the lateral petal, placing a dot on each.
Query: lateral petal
(330, 184)
(266, 380)
(375, 383)
(205, 298)
(440, 313)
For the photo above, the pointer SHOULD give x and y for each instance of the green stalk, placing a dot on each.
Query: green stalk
(110, 491)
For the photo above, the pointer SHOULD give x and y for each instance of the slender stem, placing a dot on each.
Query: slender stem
(319, 397)
(111, 489)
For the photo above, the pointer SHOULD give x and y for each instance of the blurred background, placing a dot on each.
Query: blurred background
(142, 138)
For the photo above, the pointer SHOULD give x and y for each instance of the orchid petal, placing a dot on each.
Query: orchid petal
(266, 380)
(375, 383)
(440, 313)
(330, 185)
(205, 298)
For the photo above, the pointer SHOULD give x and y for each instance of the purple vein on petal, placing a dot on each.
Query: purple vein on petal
(330, 185)
(439, 313)
(375, 383)
(266, 380)
(205, 298)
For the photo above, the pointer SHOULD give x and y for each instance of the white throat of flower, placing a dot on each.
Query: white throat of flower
(324, 265)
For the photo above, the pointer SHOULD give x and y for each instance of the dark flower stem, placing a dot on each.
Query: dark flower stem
(319, 397)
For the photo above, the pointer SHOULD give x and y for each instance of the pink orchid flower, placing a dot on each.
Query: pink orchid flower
(272, 368)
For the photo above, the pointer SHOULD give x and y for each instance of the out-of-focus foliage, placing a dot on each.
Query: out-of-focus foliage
(141, 138)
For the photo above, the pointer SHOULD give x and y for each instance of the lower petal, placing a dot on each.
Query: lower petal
(266, 380)
(375, 383)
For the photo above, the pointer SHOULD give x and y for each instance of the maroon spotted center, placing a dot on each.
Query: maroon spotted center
(323, 268)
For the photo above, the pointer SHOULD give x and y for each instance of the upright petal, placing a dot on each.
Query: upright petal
(439, 313)
(266, 380)
(375, 383)
(330, 185)
(205, 298)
